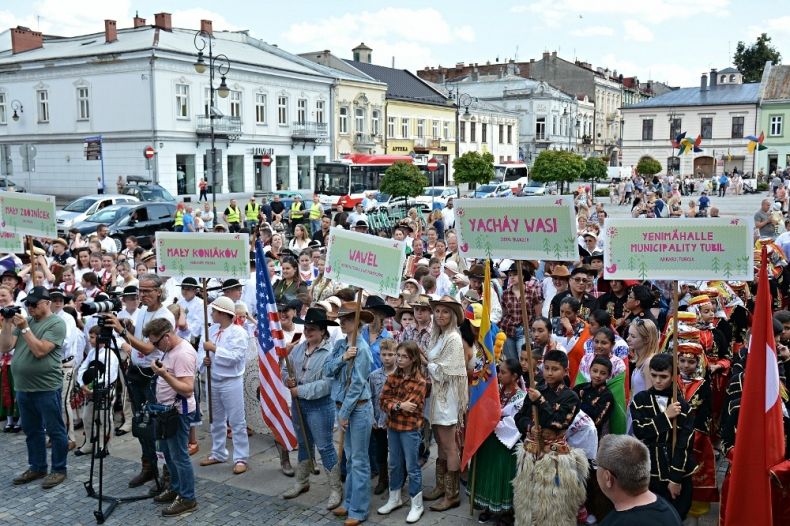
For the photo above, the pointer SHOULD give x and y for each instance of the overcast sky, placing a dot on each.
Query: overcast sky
(667, 40)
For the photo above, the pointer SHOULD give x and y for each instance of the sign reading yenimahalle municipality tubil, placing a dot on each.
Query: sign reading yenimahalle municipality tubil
(517, 228)
(203, 255)
(679, 249)
(370, 262)
(28, 214)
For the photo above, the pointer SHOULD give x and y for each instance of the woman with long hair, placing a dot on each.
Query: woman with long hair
(290, 284)
(436, 220)
(449, 397)
(322, 287)
(642, 346)
(301, 239)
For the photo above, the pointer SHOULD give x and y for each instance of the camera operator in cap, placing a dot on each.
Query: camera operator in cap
(130, 298)
(69, 350)
(140, 374)
(193, 307)
(38, 378)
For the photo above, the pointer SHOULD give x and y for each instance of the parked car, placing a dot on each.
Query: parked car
(141, 220)
(84, 207)
(436, 196)
(493, 190)
(388, 203)
(8, 185)
(535, 188)
(144, 190)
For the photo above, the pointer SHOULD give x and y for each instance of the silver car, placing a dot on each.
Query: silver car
(84, 207)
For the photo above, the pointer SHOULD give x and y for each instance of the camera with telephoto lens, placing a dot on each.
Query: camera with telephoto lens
(9, 312)
(101, 307)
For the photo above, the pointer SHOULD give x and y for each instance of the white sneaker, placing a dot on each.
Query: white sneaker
(416, 509)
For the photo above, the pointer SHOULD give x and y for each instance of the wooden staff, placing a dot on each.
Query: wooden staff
(472, 490)
(292, 375)
(32, 257)
(675, 302)
(205, 339)
(351, 343)
(528, 348)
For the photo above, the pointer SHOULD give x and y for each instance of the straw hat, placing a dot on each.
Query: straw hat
(452, 304)
(224, 304)
(350, 309)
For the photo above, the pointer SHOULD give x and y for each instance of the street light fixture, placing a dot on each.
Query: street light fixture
(221, 64)
(17, 107)
(465, 100)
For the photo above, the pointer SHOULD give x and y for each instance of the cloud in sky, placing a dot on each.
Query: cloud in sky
(636, 31)
(556, 12)
(593, 31)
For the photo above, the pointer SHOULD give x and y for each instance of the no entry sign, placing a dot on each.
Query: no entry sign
(149, 152)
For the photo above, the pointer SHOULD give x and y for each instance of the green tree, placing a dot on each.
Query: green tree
(594, 171)
(403, 179)
(751, 60)
(473, 168)
(648, 166)
(559, 166)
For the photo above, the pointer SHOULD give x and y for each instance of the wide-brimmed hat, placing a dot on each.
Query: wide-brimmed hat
(224, 304)
(11, 274)
(316, 316)
(229, 284)
(476, 271)
(451, 266)
(60, 241)
(471, 296)
(421, 300)
(452, 304)
(403, 309)
(350, 309)
(188, 282)
(361, 224)
(147, 255)
(130, 290)
(56, 292)
(583, 269)
(559, 271)
(376, 303)
(412, 281)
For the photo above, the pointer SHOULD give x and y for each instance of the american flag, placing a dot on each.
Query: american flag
(274, 397)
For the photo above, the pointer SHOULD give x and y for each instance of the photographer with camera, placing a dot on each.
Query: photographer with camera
(175, 384)
(69, 352)
(140, 374)
(38, 379)
(130, 297)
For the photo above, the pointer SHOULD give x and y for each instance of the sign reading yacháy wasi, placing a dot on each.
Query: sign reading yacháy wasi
(28, 214)
(203, 255)
(517, 228)
(11, 243)
(681, 249)
(363, 260)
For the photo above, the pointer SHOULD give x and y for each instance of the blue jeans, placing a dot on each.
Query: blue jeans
(356, 447)
(319, 418)
(512, 348)
(315, 226)
(182, 477)
(41, 415)
(405, 445)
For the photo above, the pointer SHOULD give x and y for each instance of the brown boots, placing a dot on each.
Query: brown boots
(451, 488)
(438, 490)
(147, 472)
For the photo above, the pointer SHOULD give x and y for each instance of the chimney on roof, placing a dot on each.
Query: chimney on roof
(546, 55)
(23, 39)
(205, 27)
(703, 82)
(714, 78)
(553, 54)
(362, 53)
(110, 31)
(138, 22)
(163, 21)
(475, 76)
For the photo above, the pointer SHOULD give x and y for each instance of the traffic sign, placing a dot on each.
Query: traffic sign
(149, 152)
(433, 164)
(266, 160)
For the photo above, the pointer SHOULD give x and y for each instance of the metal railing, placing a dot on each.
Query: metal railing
(309, 129)
(223, 125)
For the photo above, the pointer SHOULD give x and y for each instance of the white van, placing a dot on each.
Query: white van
(513, 172)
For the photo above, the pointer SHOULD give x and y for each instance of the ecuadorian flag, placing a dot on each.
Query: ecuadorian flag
(484, 410)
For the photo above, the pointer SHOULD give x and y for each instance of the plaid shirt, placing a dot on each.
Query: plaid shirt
(398, 389)
(511, 306)
(415, 334)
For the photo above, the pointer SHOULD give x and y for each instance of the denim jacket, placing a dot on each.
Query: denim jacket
(311, 383)
(337, 369)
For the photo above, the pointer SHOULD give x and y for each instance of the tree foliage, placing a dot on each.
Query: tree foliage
(557, 165)
(648, 166)
(403, 179)
(751, 60)
(594, 169)
(473, 168)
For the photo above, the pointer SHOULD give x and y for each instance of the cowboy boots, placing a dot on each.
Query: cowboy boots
(451, 499)
(438, 489)
(384, 481)
(302, 482)
(285, 462)
(335, 488)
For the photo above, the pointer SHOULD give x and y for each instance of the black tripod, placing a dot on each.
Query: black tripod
(102, 422)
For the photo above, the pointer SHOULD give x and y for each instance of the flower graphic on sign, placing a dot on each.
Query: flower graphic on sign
(558, 202)
(611, 232)
(459, 212)
(464, 247)
(328, 269)
(735, 222)
(612, 268)
(162, 268)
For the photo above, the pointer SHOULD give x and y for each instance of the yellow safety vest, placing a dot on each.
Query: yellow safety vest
(234, 216)
(179, 218)
(252, 213)
(315, 211)
(296, 213)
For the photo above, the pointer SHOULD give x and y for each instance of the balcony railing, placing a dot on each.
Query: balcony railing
(365, 140)
(309, 130)
(223, 126)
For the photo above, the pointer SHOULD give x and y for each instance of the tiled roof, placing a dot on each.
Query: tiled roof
(777, 87)
(401, 84)
(722, 94)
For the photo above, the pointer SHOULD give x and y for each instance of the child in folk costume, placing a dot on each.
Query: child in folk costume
(595, 398)
(402, 401)
(573, 331)
(653, 414)
(696, 391)
(550, 478)
(718, 355)
(496, 461)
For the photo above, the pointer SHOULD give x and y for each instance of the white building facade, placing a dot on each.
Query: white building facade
(138, 87)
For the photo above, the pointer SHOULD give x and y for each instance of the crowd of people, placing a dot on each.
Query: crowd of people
(597, 439)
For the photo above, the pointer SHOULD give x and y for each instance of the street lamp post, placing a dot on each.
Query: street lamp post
(221, 63)
(461, 99)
